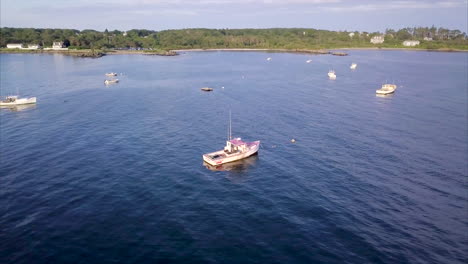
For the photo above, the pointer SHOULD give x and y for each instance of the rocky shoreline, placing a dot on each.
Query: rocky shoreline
(175, 52)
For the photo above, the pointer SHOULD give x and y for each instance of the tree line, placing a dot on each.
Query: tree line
(284, 38)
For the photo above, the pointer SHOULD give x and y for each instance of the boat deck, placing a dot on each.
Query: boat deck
(221, 154)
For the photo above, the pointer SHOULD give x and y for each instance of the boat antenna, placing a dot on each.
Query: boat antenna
(230, 126)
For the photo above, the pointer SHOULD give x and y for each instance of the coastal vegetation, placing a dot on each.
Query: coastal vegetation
(159, 42)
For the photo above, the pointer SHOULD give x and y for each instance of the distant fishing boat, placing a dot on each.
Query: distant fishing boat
(331, 75)
(235, 150)
(207, 89)
(111, 81)
(353, 66)
(15, 100)
(269, 59)
(308, 61)
(386, 89)
(111, 74)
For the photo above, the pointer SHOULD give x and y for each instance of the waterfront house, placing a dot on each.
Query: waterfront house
(377, 39)
(351, 34)
(57, 45)
(33, 46)
(14, 46)
(410, 43)
(427, 38)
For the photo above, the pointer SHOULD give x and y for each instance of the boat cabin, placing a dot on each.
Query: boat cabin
(235, 145)
(10, 99)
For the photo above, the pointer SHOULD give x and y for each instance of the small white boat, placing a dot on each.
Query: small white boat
(331, 75)
(308, 61)
(207, 89)
(386, 89)
(269, 59)
(111, 81)
(15, 100)
(353, 66)
(235, 150)
(111, 74)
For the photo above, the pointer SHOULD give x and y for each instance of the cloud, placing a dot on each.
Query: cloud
(394, 5)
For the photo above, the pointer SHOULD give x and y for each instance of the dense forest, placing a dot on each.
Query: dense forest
(284, 38)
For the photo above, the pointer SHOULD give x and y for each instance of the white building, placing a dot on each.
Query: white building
(351, 34)
(377, 39)
(14, 46)
(427, 38)
(57, 45)
(33, 46)
(410, 43)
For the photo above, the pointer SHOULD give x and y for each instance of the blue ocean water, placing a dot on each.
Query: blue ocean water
(114, 174)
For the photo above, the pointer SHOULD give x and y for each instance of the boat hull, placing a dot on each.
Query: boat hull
(111, 81)
(21, 101)
(384, 92)
(226, 158)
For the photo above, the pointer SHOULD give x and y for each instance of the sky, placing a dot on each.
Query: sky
(350, 15)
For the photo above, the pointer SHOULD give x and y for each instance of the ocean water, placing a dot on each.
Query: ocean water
(114, 174)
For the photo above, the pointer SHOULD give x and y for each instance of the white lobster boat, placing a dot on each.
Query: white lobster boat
(386, 89)
(235, 150)
(15, 100)
(111, 74)
(353, 66)
(331, 75)
(111, 81)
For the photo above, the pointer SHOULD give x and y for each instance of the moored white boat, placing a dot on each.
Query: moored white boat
(269, 59)
(353, 66)
(386, 89)
(331, 75)
(308, 61)
(111, 81)
(111, 74)
(235, 149)
(15, 100)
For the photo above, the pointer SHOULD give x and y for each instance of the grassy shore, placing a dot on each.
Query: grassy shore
(71, 52)
(88, 53)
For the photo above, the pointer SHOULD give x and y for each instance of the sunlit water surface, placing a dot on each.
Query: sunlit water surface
(107, 174)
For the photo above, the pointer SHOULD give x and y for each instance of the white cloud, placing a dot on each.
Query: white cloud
(393, 5)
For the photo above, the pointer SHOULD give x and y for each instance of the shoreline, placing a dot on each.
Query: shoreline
(408, 49)
(178, 51)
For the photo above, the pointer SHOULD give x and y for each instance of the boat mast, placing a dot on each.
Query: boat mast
(230, 126)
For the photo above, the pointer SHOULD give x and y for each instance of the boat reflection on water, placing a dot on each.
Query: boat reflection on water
(18, 108)
(235, 166)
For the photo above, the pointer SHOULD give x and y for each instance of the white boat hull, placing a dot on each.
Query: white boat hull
(20, 101)
(226, 158)
(384, 92)
(111, 81)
